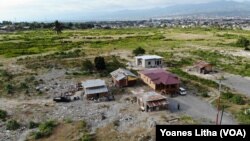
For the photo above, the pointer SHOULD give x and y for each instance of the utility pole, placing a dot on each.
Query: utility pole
(218, 104)
(222, 114)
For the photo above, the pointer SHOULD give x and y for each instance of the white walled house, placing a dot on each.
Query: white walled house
(149, 61)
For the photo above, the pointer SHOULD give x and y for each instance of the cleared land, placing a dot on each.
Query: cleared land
(37, 65)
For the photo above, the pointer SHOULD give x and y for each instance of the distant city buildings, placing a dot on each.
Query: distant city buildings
(178, 21)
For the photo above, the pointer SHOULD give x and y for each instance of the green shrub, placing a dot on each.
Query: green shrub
(45, 129)
(23, 85)
(242, 42)
(87, 65)
(33, 125)
(9, 88)
(116, 123)
(3, 114)
(237, 99)
(37, 135)
(139, 51)
(100, 63)
(68, 120)
(85, 137)
(204, 95)
(243, 118)
(227, 95)
(83, 124)
(12, 125)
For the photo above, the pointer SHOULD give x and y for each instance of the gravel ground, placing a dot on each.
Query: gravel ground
(122, 112)
(55, 83)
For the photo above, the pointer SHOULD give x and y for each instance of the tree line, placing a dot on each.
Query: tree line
(44, 25)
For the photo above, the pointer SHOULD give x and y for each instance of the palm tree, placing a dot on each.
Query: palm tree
(58, 27)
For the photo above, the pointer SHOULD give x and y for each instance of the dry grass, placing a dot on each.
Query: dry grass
(109, 133)
(64, 132)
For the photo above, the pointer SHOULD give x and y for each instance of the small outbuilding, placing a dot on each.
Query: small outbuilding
(123, 77)
(152, 101)
(203, 67)
(149, 61)
(95, 89)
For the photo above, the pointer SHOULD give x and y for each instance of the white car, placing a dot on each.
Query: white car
(182, 91)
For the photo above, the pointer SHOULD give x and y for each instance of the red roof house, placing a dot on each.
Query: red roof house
(160, 80)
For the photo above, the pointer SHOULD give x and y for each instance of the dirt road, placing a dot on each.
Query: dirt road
(198, 109)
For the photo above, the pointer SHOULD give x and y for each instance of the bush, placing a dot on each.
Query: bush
(3, 114)
(139, 51)
(204, 95)
(114, 65)
(100, 63)
(12, 125)
(33, 125)
(9, 88)
(237, 99)
(116, 123)
(23, 85)
(243, 118)
(45, 129)
(87, 65)
(227, 95)
(85, 137)
(242, 42)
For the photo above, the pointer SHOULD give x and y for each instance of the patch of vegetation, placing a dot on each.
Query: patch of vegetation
(116, 123)
(3, 114)
(242, 42)
(12, 125)
(236, 99)
(45, 129)
(85, 134)
(225, 61)
(243, 118)
(187, 120)
(139, 51)
(68, 120)
(228, 36)
(33, 125)
(9, 88)
(100, 63)
(204, 94)
(114, 64)
(5, 75)
(87, 66)
(185, 75)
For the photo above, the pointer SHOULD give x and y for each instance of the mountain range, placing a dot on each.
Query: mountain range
(218, 8)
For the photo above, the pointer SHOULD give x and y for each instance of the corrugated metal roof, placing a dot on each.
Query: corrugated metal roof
(201, 64)
(96, 90)
(160, 76)
(147, 57)
(157, 103)
(93, 83)
(121, 74)
(151, 96)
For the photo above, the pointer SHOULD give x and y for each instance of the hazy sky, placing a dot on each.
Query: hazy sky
(32, 10)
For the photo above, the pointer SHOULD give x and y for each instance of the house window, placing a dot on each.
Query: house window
(149, 63)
